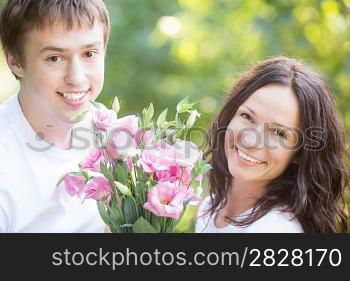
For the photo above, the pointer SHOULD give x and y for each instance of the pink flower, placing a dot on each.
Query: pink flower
(166, 199)
(74, 184)
(144, 137)
(98, 188)
(170, 163)
(129, 123)
(93, 161)
(121, 145)
(129, 164)
(159, 157)
(187, 153)
(104, 120)
(175, 173)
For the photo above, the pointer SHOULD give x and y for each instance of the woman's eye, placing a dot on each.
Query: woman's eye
(246, 116)
(54, 59)
(280, 133)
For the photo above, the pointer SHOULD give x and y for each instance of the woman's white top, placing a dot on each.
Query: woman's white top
(275, 221)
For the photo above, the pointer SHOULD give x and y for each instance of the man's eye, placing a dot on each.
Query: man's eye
(246, 116)
(54, 59)
(90, 54)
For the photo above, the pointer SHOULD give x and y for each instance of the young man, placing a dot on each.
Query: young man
(56, 49)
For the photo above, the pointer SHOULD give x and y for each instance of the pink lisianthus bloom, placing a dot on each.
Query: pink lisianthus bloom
(74, 184)
(170, 162)
(129, 123)
(103, 120)
(166, 199)
(175, 173)
(187, 153)
(129, 164)
(121, 145)
(93, 161)
(98, 188)
(144, 137)
(159, 157)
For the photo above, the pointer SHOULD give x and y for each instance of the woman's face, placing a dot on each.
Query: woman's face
(263, 135)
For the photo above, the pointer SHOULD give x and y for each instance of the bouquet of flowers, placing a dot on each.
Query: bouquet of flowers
(142, 173)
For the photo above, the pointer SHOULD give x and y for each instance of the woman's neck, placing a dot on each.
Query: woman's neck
(242, 196)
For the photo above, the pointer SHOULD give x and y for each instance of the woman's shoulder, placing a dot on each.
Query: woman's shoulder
(276, 221)
(203, 206)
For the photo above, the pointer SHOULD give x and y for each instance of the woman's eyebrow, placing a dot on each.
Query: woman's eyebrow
(283, 126)
(247, 107)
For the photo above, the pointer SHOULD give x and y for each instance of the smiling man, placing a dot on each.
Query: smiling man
(56, 49)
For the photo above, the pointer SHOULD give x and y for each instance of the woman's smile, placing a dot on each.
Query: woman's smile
(246, 159)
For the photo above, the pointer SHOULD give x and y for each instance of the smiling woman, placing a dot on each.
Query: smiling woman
(278, 154)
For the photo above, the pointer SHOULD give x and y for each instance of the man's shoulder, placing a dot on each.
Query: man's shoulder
(8, 116)
(9, 120)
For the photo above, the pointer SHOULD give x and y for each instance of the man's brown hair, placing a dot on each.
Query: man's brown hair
(20, 16)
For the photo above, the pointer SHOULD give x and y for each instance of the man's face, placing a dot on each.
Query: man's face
(63, 70)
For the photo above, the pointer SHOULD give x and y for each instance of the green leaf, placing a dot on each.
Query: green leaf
(181, 104)
(60, 180)
(206, 168)
(117, 213)
(126, 225)
(130, 212)
(192, 119)
(141, 190)
(161, 122)
(143, 226)
(148, 114)
(103, 212)
(122, 174)
(79, 116)
(155, 223)
(106, 172)
(115, 227)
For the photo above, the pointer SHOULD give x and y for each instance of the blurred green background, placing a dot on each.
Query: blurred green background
(163, 50)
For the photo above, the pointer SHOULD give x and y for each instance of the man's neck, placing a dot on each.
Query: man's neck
(49, 129)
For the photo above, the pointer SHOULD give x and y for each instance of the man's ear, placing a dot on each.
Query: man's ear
(15, 65)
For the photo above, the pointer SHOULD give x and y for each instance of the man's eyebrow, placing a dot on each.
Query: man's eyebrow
(62, 50)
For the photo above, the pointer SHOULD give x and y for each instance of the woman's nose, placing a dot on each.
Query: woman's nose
(251, 138)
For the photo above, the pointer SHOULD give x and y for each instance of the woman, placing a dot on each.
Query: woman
(278, 153)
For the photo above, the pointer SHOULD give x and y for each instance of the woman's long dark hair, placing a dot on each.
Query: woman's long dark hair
(312, 187)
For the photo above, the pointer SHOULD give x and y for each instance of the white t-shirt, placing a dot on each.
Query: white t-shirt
(275, 221)
(29, 172)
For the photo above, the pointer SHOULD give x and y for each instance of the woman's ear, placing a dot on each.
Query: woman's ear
(296, 159)
(15, 65)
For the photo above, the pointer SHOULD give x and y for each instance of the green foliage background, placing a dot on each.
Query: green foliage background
(217, 40)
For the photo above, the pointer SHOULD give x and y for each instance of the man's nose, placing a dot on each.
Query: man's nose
(75, 73)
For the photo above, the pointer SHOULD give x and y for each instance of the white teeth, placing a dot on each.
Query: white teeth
(74, 96)
(247, 157)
